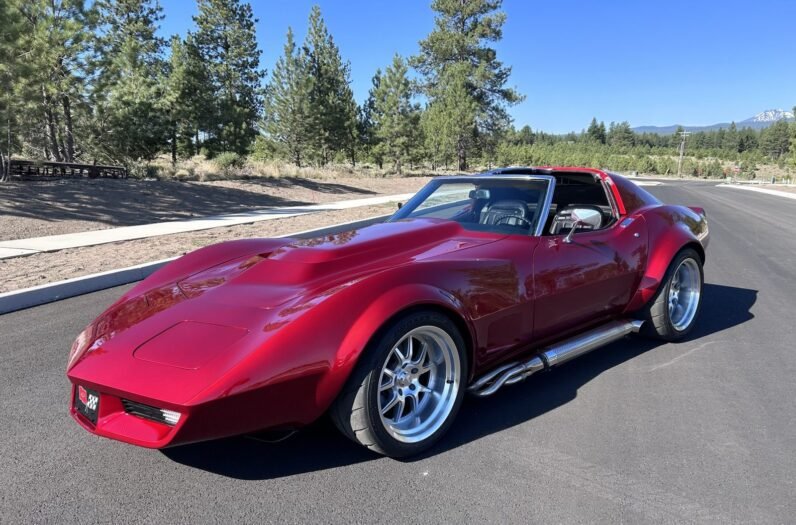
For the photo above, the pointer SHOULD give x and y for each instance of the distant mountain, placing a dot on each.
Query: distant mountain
(770, 115)
(762, 120)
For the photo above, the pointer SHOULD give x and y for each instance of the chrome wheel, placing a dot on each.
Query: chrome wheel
(684, 293)
(418, 384)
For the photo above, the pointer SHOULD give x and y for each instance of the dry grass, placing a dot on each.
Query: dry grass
(199, 168)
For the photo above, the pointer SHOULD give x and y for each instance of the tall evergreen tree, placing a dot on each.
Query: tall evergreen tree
(365, 122)
(128, 93)
(226, 42)
(332, 106)
(775, 139)
(456, 60)
(186, 102)
(287, 109)
(596, 132)
(11, 65)
(56, 38)
(449, 121)
(620, 134)
(395, 117)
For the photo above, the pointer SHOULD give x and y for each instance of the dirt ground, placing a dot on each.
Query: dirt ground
(42, 268)
(39, 208)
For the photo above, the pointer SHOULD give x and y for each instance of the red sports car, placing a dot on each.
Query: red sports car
(476, 283)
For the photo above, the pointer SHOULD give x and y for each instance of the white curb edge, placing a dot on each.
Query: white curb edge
(767, 191)
(50, 292)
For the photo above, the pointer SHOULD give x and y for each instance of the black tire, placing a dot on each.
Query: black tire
(658, 323)
(356, 411)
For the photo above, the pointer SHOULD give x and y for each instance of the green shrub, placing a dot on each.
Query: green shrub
(228, 160)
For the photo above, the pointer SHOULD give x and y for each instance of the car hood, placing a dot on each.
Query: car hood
(220, 314)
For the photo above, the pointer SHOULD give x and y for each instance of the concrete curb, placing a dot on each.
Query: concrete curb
(767, 191)
(52, 243)
(50, 292)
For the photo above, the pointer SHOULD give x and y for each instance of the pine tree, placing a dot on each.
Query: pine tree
(775, 139)
(732, 139)
(56, 39)
(128, 94)
(395, 116)
(287, 108)
(525, 135)
(332, 107)
(620, 134)
(596, 132)
(11, 65)
(185, 99)
(226, 42)
(462, 74)
(449, 121)
(365, 121)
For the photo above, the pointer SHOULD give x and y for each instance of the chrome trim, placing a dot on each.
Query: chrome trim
(505, 375)
(546, 206)
(551, 186)
(609, 195)
(588, 341)
(555, 355)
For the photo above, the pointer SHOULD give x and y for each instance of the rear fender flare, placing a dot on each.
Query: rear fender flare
(665, 244)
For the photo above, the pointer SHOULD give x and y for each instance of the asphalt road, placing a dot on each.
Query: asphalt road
(700, 431)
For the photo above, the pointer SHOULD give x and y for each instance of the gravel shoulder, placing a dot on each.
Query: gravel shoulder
(52, 207)
(43, 268)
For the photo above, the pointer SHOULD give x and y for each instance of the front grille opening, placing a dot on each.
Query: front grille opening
(167, 417)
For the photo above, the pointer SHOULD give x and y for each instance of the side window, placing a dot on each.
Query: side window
(573, 192)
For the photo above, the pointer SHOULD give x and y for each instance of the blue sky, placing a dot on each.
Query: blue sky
(647, 62)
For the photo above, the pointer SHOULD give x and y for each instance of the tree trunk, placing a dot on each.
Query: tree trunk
(462, 154)
(70, 137)
(55, 152)
(398, 165)
(173, 143)
(5, 162)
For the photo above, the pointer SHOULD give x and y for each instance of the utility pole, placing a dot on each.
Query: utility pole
(683, 135)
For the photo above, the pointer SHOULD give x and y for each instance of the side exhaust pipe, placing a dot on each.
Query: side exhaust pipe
(552, 356)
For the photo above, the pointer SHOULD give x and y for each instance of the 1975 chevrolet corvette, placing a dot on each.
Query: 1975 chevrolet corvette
(476, 283)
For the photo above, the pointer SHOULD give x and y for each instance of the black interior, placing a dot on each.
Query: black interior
(511, 212)
(505, 206)
(572, 191)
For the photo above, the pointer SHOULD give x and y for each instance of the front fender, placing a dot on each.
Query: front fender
(372, 318)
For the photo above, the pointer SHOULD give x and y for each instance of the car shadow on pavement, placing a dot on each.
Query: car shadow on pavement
(320, 446)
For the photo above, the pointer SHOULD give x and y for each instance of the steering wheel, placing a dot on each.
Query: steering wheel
(505, 219)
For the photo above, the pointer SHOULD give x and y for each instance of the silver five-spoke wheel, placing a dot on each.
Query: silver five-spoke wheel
(419, 383)
(684, 292)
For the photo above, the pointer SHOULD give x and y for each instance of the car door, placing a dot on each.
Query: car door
(588, 279)
(495, 286)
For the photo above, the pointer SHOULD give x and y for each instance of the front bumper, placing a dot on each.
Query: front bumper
(286, 405)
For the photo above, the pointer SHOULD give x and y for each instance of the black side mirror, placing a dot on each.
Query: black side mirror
(400, 205)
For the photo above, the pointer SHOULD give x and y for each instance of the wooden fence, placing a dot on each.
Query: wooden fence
(32, 169)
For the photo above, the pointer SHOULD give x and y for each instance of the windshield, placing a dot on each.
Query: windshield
(484, 204)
